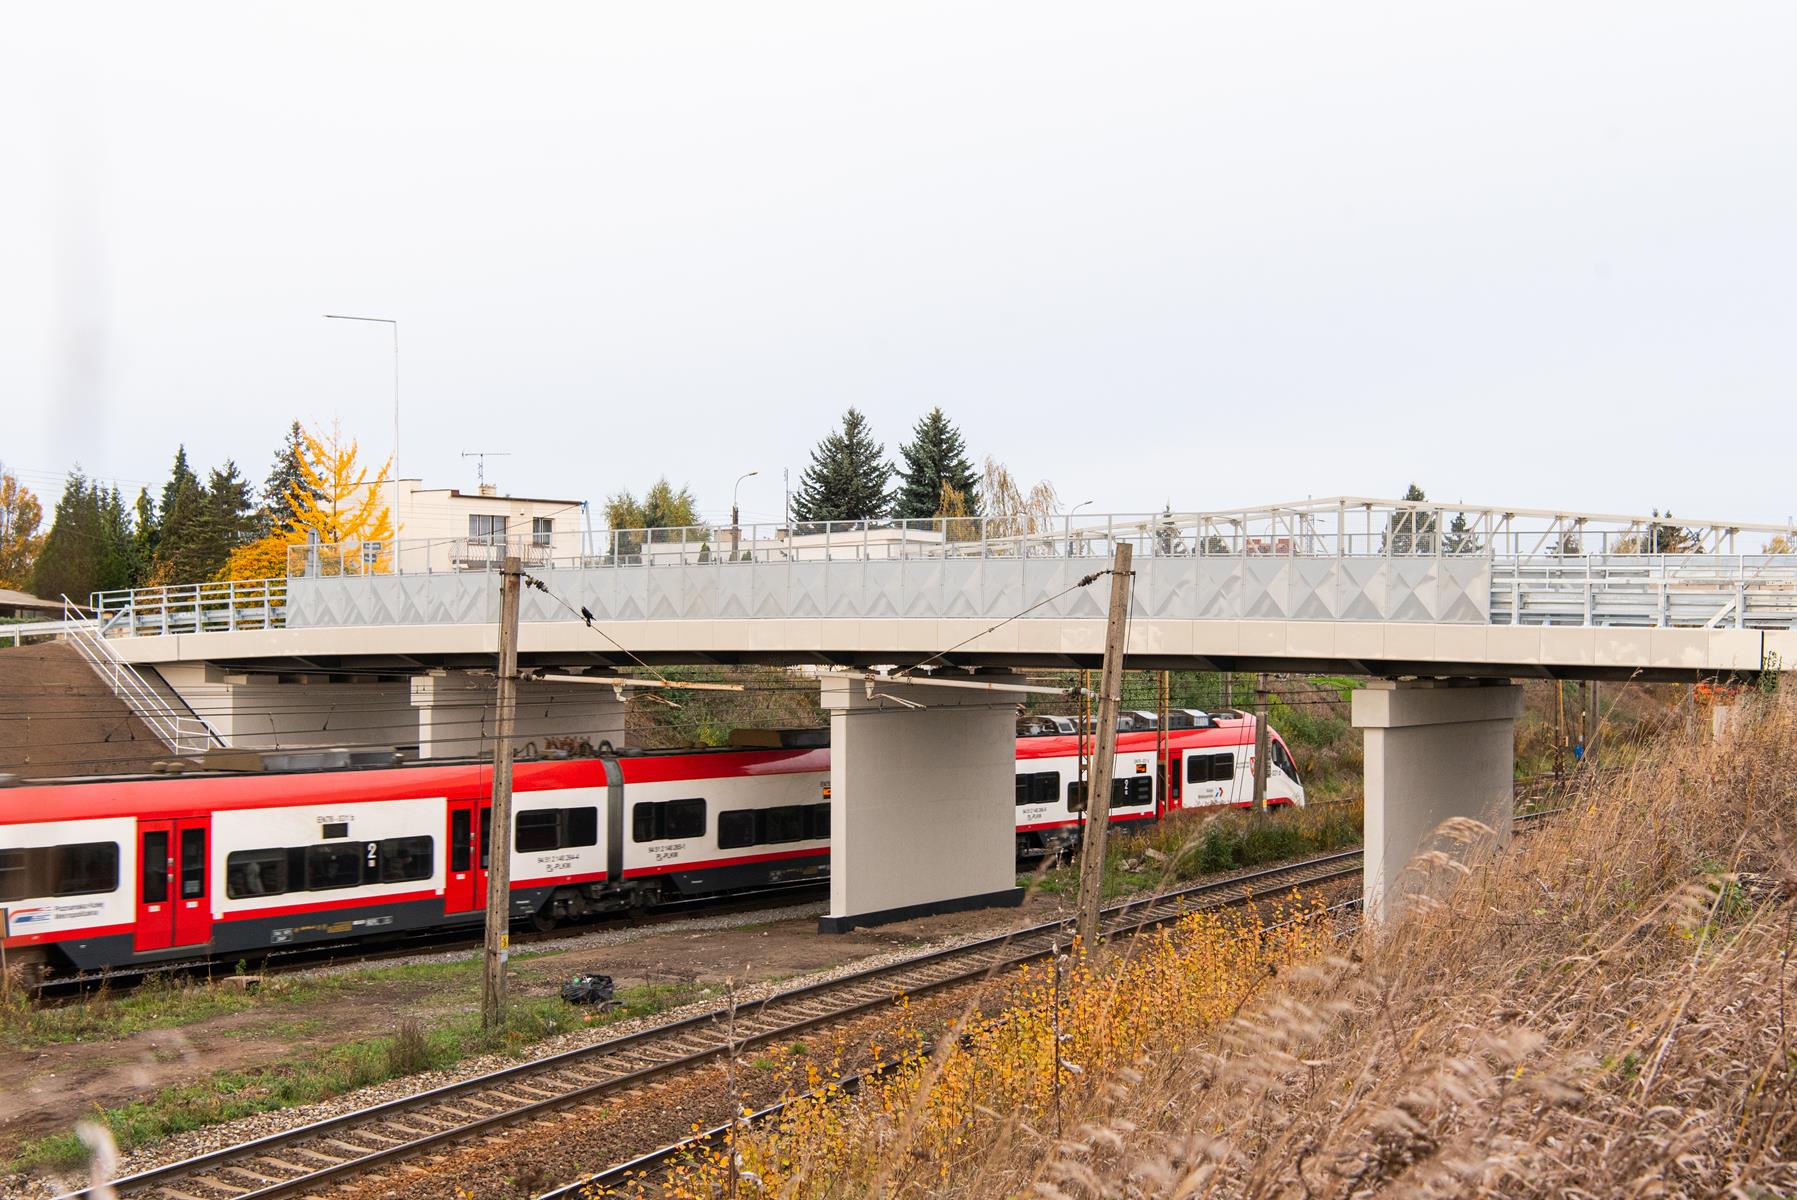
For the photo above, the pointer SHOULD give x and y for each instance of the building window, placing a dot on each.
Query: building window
(486, 529)
(541, 530)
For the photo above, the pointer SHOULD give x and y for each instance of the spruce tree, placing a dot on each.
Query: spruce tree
(227, 520)
(934, 456)
(145, 530)
(180, 553)
(72, 560)
(847, 478)
(286, 478)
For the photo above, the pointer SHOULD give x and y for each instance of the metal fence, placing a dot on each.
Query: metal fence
(1544, 568)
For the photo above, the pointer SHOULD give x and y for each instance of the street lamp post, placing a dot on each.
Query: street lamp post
(395, 325)
(735, 527)
(1070, 513)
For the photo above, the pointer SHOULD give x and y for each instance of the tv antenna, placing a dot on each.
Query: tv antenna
(480, 463)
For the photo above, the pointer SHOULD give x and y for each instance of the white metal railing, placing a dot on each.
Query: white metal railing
(1547, 568)
(17, 631)
(183, 732)
(217, 607)
(1338, 527)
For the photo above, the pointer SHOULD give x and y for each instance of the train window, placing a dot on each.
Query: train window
(154, 867)
(1210, 768)
(783, 824)
(817, 821)
(582, 826)
(338, 865)
(255, 873)
(537, 829)
(460, 843)
(1133, 792)
(486, 836)
(1284, 762)
(15, 872)
(1038, 787)
(193, 864)
(336, 829)
(86, 868)
(408, 858)
(736, 829)
(667, 820)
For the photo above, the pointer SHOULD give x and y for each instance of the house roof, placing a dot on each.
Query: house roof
(15, 599)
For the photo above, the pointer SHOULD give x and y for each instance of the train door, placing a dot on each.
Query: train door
(465, 890)
(172, 909)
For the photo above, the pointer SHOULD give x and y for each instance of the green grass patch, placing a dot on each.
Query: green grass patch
(319, 1075)
(1192, 844)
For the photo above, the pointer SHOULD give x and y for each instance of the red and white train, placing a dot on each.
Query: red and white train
(103, 873)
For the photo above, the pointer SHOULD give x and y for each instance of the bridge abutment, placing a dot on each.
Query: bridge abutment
(1434, 752)
(921, 813)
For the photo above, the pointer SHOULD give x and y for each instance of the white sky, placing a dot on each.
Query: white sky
(1543, 255)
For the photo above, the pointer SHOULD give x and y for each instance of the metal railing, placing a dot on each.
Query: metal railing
(1546, 568)
(182, 732)
(1338, 527)
(217, 607)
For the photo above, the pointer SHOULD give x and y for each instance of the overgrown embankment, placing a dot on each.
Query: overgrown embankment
(1602, 1010)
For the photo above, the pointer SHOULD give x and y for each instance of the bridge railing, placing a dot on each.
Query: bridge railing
(1341, 527)
(193, 608)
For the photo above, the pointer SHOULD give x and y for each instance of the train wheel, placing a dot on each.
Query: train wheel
(543, 920)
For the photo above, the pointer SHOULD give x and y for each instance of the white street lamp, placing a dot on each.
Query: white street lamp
(395, 325)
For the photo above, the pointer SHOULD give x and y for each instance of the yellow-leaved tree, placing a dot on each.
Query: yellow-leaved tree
(335, 500)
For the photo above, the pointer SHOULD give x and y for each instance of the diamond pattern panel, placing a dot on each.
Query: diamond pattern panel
(1362, 587)
(1412, 589)
(1267, 589)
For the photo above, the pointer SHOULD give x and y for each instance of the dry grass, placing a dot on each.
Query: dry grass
(1600, 1011)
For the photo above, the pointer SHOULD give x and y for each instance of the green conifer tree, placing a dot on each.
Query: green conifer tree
(180, 553)
(847, 478)
(284, 480)
(934, 456)
(73, 562)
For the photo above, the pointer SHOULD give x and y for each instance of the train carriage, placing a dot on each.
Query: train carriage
(104, 873)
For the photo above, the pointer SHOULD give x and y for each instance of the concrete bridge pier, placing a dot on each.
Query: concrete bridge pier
(921, 801)
(1435, 750)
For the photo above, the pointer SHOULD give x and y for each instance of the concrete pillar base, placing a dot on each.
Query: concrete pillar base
(1434, 753)
(1010, 897)
(922, 801)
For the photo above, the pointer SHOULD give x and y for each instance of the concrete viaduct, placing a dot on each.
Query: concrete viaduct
(1445, 608)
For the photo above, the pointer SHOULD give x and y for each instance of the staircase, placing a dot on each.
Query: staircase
(184, 732)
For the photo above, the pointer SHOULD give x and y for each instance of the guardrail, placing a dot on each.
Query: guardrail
(1337, 527)
(194, 608)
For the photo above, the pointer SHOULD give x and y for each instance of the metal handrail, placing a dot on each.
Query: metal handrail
(183, 733)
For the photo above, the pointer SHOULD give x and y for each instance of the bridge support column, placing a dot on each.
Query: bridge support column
(1434, 752)
(922, 801)
(455, 715)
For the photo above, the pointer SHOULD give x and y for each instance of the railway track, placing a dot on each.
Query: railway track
(367, 1142)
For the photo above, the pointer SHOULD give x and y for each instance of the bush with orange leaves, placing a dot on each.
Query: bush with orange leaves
(1062, 1031)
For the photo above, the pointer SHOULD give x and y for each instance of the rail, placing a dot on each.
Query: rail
(360, 1144)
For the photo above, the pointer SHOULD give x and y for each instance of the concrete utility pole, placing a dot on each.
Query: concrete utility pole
(1104, 755)
(1262, 742)
(499, 856)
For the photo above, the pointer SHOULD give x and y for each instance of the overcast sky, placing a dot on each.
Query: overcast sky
(1540, 255)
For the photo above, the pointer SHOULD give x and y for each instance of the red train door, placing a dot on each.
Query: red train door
(172, 908)
(465, 889)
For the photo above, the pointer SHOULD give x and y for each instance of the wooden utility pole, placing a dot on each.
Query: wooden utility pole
(499, 855)
(1104, 754)
(1262, 743)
